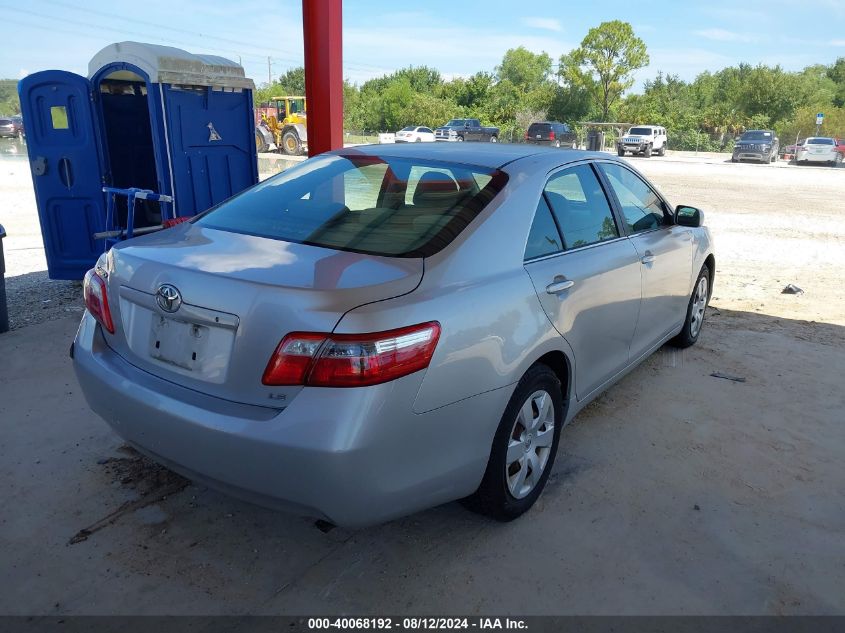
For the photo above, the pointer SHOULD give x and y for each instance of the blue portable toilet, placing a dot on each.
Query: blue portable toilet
(147, 116)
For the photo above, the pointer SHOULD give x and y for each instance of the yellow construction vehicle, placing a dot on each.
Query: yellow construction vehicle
(282, 126)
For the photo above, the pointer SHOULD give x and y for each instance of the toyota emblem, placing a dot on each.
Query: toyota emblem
(168, 298)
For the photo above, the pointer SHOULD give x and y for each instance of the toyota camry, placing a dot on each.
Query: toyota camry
(384, 329)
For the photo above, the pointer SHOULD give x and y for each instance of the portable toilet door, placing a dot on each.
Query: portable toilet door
(62, 135)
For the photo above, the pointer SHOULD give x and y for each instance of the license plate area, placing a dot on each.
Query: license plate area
(178, 343)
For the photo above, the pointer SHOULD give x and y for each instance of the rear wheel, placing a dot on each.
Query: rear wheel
(419, 140)
(838, 161)
(524, 447)
(460, 139)
(662, 151)
(695, 311)
(620, 152)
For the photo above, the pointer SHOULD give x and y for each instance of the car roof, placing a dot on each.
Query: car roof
(488, 155)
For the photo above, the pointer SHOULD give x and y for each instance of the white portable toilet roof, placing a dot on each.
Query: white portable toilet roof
(169, 65)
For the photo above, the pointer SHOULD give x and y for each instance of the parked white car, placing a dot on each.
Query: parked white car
(645, 140)
(415, 134)
(819, 149)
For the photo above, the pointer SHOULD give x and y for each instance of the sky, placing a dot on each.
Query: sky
(458, 37)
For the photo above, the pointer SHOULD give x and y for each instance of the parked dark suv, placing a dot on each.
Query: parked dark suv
(551, 133)
(759, 145)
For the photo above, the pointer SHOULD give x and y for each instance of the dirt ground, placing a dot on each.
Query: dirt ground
(676, 492)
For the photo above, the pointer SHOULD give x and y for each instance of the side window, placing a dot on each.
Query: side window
(425, 130)
(581, 208)
(642, 207)
(544, 238)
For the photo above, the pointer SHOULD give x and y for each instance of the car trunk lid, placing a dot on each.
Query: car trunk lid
(225, 300)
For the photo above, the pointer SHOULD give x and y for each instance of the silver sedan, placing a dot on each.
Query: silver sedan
(387, 328)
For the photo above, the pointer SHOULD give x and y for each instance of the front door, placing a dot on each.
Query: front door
(62, 141)
(586, 275)
(665, 252)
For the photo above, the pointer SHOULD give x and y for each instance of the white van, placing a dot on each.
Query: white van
(643, 139)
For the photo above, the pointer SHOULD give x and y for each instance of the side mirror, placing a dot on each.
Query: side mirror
(688, 216)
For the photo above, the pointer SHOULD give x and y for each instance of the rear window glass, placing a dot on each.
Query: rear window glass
(399, 207)
(539, 128)
(820, 141)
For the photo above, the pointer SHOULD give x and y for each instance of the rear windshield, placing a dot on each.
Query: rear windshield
(756, 135)
(398, 207)
(539, 128)
(820, 141)
(640, 131)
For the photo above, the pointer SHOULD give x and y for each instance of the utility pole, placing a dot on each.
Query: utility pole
(269, 72)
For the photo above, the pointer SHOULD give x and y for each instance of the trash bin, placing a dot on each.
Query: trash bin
(595, 140)
(4, 308)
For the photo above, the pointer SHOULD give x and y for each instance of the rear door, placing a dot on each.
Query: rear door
(665, 252)
(586, 274)
(63, 145)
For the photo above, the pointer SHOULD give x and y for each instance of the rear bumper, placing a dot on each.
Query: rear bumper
(805, 157)
(352, 456)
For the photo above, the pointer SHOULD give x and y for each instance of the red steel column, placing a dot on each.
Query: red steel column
(322, 22)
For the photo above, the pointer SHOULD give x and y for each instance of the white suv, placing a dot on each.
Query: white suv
(643, 139)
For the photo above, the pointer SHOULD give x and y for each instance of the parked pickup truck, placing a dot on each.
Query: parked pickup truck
(466, 130)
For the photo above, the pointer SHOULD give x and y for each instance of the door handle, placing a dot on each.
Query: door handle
(557, 287)
(647, 258)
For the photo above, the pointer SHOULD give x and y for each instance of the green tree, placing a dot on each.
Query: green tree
(9, 102)
(527, 71)
(605, 61)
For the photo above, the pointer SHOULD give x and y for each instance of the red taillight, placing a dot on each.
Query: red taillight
(351, 360)
(526, 136)
(552, 135)
(96, 299)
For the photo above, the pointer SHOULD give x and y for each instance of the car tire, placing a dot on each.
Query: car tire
(536, 390)
(419, 140)
(773, 158)
(695, 311)
(734, 160)
(460, 139)
(647, 151)
(662, 151)
(620, 152)
(838, 161)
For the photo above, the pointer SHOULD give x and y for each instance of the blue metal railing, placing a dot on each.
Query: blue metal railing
(113, 234)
